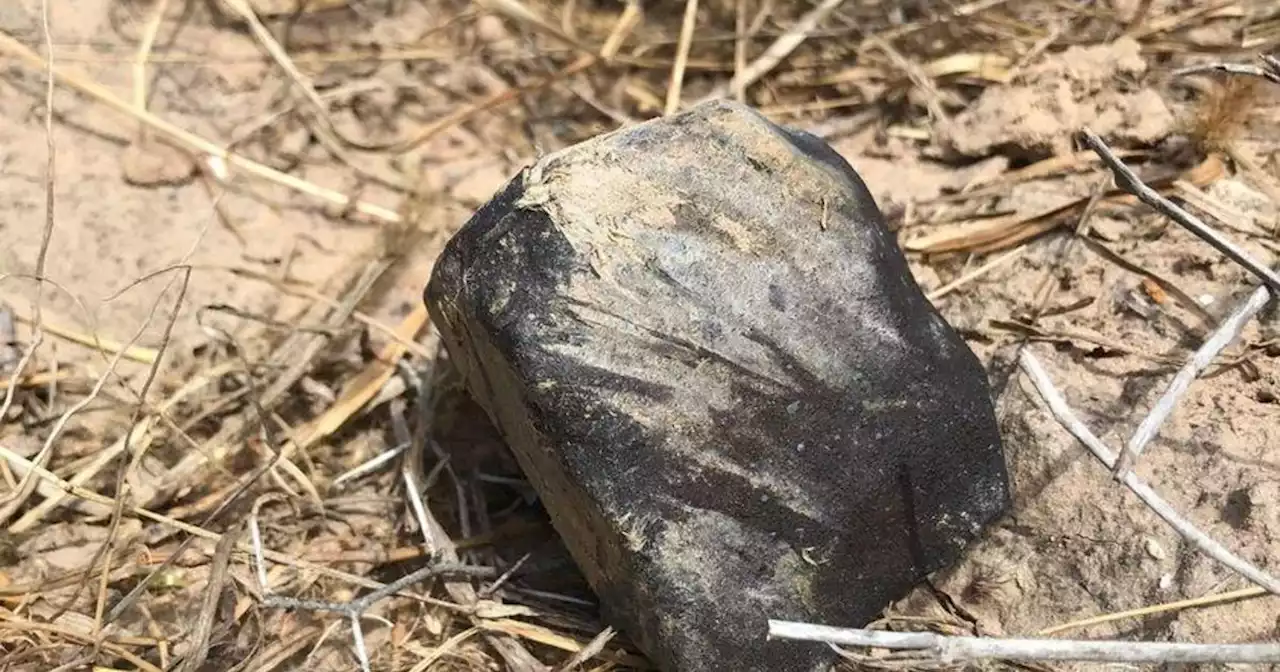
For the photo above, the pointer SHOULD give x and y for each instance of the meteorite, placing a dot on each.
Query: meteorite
(708, 355)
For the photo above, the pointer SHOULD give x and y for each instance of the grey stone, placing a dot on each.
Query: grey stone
(710, 359)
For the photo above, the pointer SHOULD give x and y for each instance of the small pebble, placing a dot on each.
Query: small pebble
(1154, 549)
(490, 29)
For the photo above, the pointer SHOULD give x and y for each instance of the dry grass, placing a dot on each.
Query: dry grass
(272, 417)
(1221, 117)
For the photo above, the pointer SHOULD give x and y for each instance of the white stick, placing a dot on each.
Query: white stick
(1058, 406)
(1129, 181)
(357, 636)
(372, 464)
(1223, 336)
(949, 649)
(1231, 69)
(259, 565)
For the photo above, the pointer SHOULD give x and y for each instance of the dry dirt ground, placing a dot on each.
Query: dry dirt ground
(965, 162)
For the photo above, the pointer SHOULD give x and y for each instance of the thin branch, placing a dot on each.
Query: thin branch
(591, 650)
(1129, 181)
(1269, 74)
(492, 589)
(1058, 406)
(362, 604)
(434, 535)
(37, 330)
(355, 609)
(1226, 333)
(1223, 336)
(959, 648)
(370, 465)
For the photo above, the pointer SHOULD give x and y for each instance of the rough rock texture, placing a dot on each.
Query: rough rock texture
(707, 353)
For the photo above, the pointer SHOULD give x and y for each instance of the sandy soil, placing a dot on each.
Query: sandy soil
(1076, 545)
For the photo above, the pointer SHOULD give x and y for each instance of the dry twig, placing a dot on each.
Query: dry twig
(1067, 418)
(208, 613)
(1269, 70)
(949, 649)
(355, 609)
(1223, 336)
(1127, 180)
(37, 336)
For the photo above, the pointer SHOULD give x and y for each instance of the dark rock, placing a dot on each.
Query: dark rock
(710, 359)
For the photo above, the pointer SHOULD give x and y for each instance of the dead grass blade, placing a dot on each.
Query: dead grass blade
(490, 102)
(280, 56)
(39, 379)
(961, 12)
(676, 83)
(145, 46)
(777, 52)
(138, 439)
(198, 649)
(187, 528)
(194, 142)
(631, 17)
(555, 640)
(85, 639)
(1207, 600)
(292, 358)
(106, 346)
(14, 500)
(993, 235)
(987, 267)
(364, 387)
(518, 11)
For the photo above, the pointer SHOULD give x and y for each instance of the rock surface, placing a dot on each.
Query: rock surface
(707, 353)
